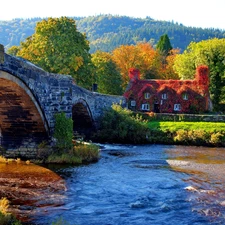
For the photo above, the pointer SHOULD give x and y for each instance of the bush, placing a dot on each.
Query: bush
(123, 126)
(5, 217)
(217, 139)
(63, 132)
(86, 152)
(81, 152)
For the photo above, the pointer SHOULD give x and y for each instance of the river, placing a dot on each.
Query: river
(145, 184)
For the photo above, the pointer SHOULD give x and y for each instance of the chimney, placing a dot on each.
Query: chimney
(134, 74)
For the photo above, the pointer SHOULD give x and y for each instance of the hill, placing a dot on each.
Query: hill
(106, 32)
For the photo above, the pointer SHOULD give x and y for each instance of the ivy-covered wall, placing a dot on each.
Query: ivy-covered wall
(169, 96)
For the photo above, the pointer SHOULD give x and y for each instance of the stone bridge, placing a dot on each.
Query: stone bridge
(30, 97)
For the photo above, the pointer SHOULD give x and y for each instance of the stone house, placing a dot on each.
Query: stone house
(169, 96)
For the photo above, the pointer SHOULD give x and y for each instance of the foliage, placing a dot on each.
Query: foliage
(87, 152)
(3, 159)
(58, 47)
(144, 57)
(80, 153)
(63, 132)
(164, 45)
(4, 206)
(5, 217)
(63, 158)
(189, 94)
(13, 50)
(123, 126)
(210, 53)
(108, 77)
(107, 32)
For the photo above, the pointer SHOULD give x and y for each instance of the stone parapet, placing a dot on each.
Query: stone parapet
(2, 54)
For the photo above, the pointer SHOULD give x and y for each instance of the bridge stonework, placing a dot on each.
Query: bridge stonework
(30, 97)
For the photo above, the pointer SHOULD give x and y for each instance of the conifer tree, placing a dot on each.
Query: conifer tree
(164, 45)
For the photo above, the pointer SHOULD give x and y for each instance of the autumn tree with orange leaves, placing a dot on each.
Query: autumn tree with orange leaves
(145, 58)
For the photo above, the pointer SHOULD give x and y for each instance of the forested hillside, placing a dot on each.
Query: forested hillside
(106, 32)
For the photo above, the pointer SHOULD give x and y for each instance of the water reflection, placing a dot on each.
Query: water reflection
(206, 183)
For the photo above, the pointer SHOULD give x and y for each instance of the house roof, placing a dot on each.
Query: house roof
(137, 86)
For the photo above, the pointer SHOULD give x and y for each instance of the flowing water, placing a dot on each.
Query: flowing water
(147, 184)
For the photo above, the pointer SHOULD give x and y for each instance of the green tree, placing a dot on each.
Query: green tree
(108, 77)
(58, 47)
(63, 132)
(164, 45)
(211, 53)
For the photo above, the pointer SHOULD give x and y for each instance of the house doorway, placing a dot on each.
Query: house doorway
(156, 107)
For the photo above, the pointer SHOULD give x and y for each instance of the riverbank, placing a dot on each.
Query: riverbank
(124, 126)
(30, 187)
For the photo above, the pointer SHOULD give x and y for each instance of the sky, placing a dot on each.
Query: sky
(194, 13)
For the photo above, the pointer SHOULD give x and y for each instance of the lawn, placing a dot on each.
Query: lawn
(174, 126)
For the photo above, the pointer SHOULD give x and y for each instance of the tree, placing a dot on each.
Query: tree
(108, 77)
(141, 56)
(126, 57)
(167, 71)
(164, 45)
(13, 50)
(145, 58)
(211, 53)
(58, 47)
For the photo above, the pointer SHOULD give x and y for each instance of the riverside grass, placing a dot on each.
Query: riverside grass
(80, 153)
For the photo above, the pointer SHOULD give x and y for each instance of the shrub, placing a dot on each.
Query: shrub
(5, 217)
(123, 126)
(181, 136)
(217, 139)
(63, 132)
(80, 153)
(86, 152)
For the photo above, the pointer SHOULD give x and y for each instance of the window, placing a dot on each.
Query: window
(147, 95)
(145, 107)
(133, 103)
(177, 107)
(185, 96)
(164, 96)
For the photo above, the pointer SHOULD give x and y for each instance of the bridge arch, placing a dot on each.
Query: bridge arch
(21, 116)
(83, 122)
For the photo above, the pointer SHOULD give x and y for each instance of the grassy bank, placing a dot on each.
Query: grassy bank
(123, 126)
(78, 154)
(67, 150)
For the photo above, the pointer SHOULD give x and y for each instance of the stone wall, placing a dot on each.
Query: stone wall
(190, 117)
(1, 54)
